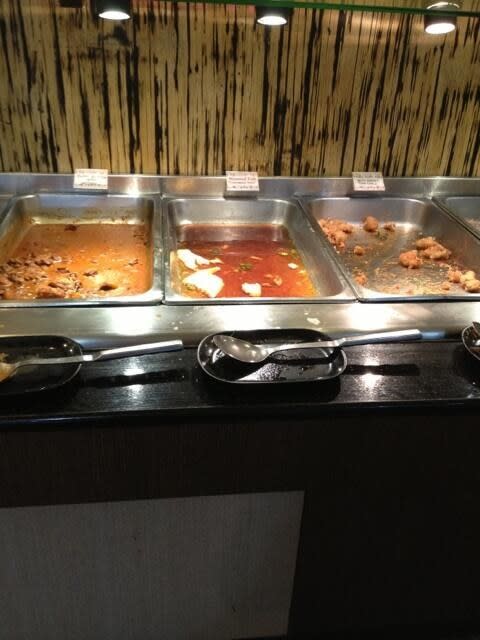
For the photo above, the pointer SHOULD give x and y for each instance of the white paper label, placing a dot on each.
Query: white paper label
(242, 181)
(90, 179)
(368, 181)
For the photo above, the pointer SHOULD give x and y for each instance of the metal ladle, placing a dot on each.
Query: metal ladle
(255, 353)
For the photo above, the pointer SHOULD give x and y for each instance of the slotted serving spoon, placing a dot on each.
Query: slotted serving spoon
(9, 369)
(254, 353)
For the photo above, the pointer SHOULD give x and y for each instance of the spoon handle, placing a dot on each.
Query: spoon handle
(108, 354)
(296, 346)
(365, 338)
(138, 350)
(383, 336)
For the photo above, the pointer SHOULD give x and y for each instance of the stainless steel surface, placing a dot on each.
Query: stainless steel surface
(58, 208)
(253, 353)
(8, 369)
(413, 218)
(466, 209)
(103, 326)
(226, 217)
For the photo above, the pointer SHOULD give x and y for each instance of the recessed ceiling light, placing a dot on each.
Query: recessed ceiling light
(114, 9)
(273, 16)
(443, 23)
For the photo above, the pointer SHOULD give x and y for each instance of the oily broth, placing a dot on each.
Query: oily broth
(91, 260)
(249, 254)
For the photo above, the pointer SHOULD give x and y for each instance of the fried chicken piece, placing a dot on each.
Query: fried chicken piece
(410, 259)
(425, 243)
(336, 231)
(346, 227)
(370, 224)
(358, 250)
(437, 252)
(468, 275)
(446, 286)
(432, 249)
(389, 226)
(472, 286)
(454, 275)
(338, 239)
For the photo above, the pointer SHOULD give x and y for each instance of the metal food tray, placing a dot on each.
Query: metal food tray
(71, 208)
(466, 209)
(413, 218)
(327, 279)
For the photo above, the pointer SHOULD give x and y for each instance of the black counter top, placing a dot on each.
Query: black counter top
(382, 377)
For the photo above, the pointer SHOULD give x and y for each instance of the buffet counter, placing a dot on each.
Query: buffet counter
(385, 455)
(105, 323)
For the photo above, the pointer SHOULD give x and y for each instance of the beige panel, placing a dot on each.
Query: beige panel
(197, 89)
(182, 569)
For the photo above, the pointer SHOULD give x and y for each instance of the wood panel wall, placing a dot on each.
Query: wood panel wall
(199, 89)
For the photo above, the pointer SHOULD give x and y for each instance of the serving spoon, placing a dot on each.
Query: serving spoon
(253, 353)
(471, 339)
(9, 369)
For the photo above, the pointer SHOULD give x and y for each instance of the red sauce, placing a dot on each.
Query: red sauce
(252, 254)
(77, 261)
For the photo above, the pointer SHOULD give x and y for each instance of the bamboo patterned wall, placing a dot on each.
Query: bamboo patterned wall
(198, 89)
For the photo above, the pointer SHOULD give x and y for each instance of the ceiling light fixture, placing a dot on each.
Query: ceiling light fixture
(443, 23)
(273, 16)
(114, 9)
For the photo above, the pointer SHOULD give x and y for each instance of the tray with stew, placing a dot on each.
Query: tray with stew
(399, 248)
(80, 249)
(232, 250)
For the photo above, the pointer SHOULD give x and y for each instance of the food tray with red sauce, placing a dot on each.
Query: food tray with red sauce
(246, 250)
